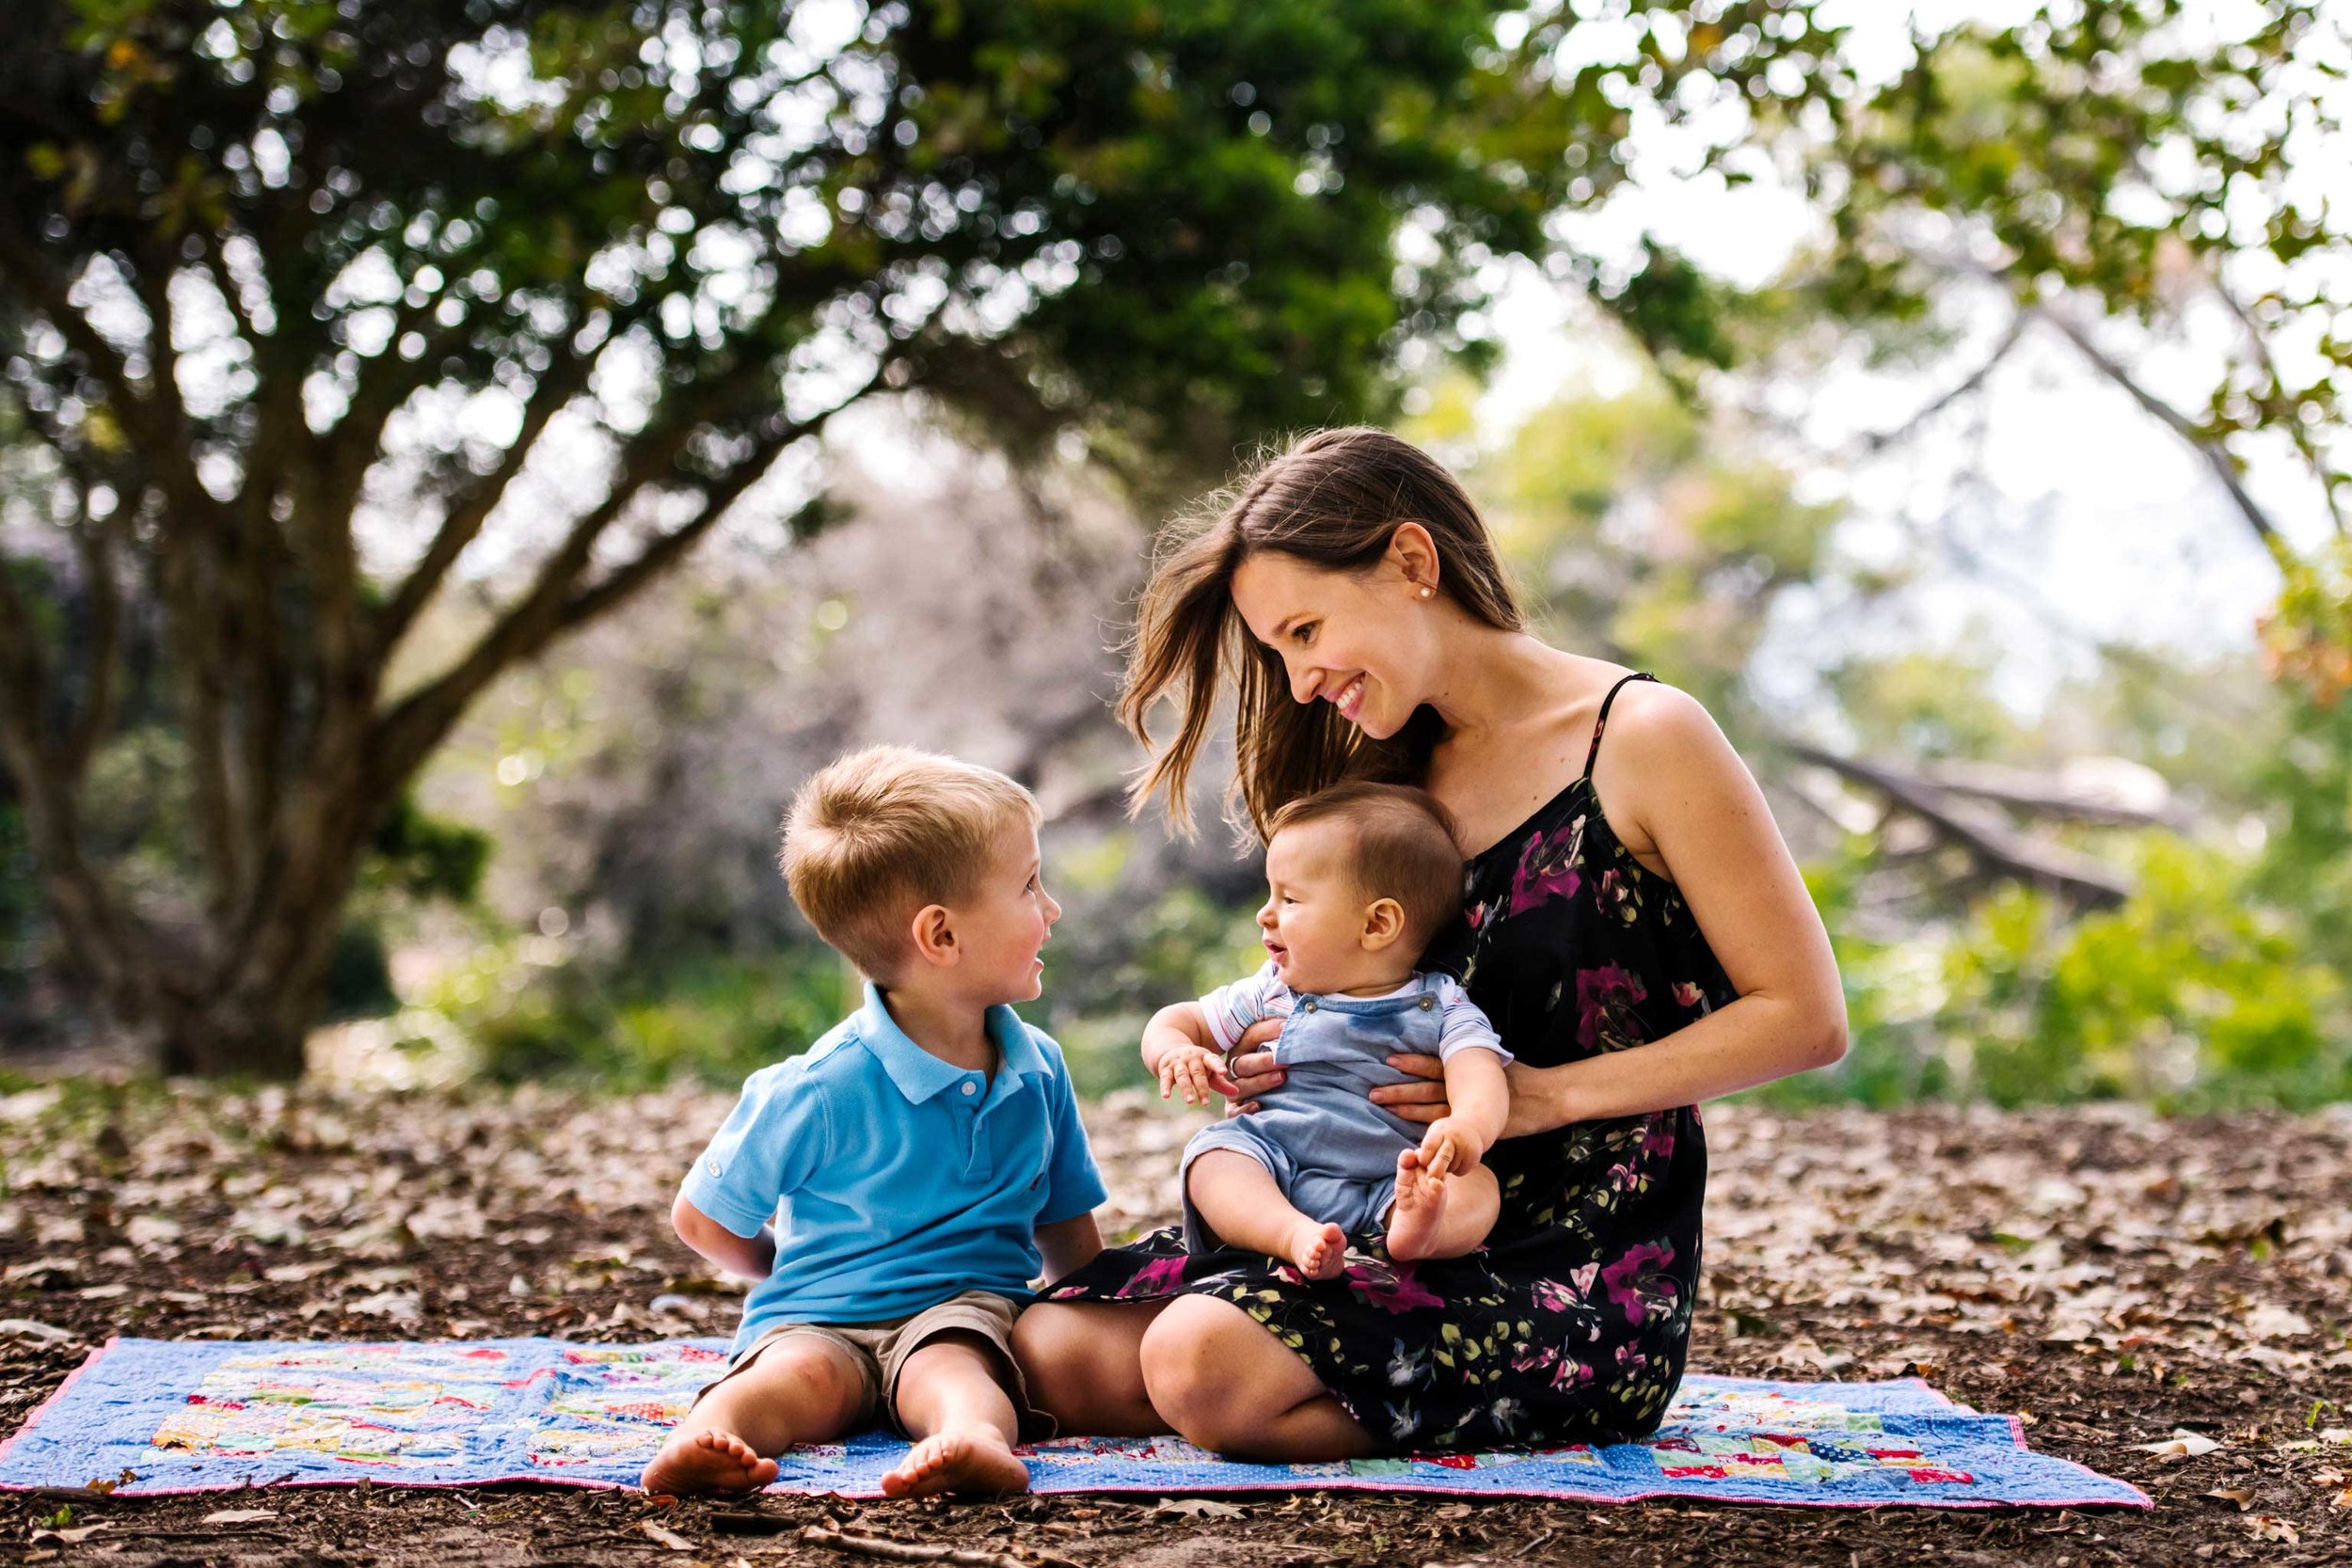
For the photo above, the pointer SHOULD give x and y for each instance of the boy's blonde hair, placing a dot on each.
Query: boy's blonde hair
(1404, 848)
(879, 833)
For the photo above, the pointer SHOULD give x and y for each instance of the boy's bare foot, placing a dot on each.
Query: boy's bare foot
(1420, 1208)
(707, 1462)
(1315, 1250)
(957, 1462)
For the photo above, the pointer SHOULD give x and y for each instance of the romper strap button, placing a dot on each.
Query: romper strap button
(1308, 1004)
(1427, 1003)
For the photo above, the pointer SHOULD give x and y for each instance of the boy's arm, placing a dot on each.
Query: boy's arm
(1069, 1244)
(753, 1256)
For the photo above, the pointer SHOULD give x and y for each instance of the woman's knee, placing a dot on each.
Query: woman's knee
(1073, 1360)
(1217, 1376)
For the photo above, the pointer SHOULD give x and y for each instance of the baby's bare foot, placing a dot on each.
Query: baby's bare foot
(957, 1462)
(1420, 1208)
(707, 1462)
(1317, 1251)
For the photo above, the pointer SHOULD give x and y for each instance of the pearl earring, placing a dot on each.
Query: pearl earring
(1425, 593)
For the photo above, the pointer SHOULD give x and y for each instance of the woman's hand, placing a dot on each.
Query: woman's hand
(1423, 1102)
(1538, 1104)
(1252, 1069)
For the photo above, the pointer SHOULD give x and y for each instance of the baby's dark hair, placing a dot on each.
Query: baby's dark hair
(1404, 847)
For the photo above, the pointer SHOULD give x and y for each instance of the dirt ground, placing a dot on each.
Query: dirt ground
(2112, 1278)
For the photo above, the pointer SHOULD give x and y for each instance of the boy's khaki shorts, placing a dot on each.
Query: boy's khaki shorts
(880, 1352)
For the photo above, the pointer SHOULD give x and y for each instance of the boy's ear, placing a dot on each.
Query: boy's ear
(1384, 922)
(934, 933)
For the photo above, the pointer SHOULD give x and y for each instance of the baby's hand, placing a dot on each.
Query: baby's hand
(1199, 1073)
(1449, 1147)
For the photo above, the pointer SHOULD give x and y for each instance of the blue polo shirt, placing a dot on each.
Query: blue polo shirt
(895, 1179)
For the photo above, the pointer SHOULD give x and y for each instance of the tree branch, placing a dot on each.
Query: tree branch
(2216, 457)
(1987, 839)
(562, 382)
(405, 734)
(1878, 440)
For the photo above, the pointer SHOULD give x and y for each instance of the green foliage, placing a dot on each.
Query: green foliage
(1650, 532)
(2195, 993)
(712, 1020)
(421, 857)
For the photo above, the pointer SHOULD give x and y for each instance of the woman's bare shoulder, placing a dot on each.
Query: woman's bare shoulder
(1662, 744)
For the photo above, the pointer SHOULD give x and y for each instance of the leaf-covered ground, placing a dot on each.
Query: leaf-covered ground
(2120, 1282)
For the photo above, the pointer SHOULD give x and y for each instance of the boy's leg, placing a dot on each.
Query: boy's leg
(951, 1400)
(1242, 1202)
(1445, 1219)
(802, 1389)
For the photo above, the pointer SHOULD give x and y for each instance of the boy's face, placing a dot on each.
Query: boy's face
(1319, 927)
(1006, 920)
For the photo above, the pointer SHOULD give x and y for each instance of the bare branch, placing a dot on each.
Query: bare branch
(2297, 430)
(2216, 457)
(562, 382)
(1987, 838)
(405, 734)
(1878, 440)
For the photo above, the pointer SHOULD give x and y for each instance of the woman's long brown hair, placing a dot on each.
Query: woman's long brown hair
(1334, 498)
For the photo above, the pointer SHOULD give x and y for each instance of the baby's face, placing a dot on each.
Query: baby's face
(1313, 919)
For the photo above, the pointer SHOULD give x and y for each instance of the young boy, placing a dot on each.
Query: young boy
(1360, 877)
(926, 1153)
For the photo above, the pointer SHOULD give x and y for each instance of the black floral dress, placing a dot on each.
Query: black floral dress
(1571, 1323)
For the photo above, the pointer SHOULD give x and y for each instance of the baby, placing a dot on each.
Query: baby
(894, 1189)
(1359, 878)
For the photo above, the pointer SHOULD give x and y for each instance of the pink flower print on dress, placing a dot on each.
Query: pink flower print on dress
(1605, 1019)
(1658, 1138)
(1393, 1290)
(1687, 994)
(1637, 1282)
(1159, 1278)
(1552, 1296)
(1571, 1373)
(1547, 868)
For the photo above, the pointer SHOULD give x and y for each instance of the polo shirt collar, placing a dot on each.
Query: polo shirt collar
(918, 1074)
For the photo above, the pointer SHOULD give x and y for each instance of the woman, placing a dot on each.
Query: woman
(1635, 929)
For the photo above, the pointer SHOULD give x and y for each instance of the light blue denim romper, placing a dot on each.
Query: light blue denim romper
(1332, 1152)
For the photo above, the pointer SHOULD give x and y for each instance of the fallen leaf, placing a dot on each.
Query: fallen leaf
(668, 1538)
(2182, 1444)
(239, 1516)
(2269, 1527)
(1197, 1508)
(2238, 1495)
(73, 1537)
(25, 1328)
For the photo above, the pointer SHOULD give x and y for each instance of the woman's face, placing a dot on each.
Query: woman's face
(1355, 640)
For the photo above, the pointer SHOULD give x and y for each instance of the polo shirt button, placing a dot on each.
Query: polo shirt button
(969, 1088)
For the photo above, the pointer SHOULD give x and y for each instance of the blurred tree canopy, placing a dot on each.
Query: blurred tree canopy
(277, 268)
(318, 311)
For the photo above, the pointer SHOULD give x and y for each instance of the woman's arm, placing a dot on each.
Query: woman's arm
(1701, 811)
(1068, 1244)
(753, 1256)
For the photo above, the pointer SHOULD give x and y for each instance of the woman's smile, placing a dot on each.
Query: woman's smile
(1349, 699)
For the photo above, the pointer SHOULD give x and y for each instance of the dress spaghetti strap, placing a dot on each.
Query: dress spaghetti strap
(1601, 722)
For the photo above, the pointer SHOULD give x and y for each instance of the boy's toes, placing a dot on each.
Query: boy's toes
(707, 1462)
(957, 1462)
